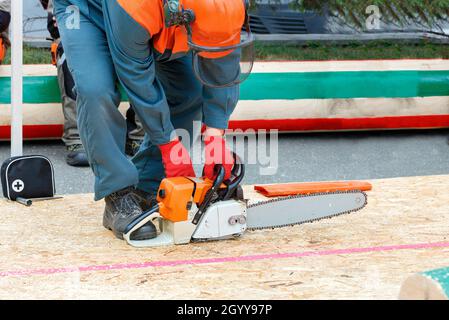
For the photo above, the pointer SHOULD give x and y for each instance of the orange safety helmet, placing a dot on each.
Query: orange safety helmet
(214, 29)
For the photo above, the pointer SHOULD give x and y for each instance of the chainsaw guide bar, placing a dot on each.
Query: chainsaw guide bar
(286, 211)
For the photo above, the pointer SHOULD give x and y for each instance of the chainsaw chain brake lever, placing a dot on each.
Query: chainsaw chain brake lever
(210, 195)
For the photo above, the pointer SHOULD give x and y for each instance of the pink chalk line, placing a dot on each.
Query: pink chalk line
(274, 256)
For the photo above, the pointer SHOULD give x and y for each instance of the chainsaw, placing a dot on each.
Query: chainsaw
(198, 209)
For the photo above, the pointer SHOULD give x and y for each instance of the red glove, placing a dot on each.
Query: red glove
(217, 153)
(176, 160)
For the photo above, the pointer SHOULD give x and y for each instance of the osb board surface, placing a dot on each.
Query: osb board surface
(59, 249)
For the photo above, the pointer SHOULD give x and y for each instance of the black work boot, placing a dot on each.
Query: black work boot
(146, 200)
(122, 207)
(77, 156)
(132, 147)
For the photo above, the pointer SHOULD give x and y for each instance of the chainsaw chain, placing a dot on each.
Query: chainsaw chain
(308, 196)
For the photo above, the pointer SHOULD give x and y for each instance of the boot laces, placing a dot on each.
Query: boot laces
(127, 203)
(76, 148)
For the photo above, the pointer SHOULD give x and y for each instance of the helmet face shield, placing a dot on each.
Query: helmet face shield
(226, 66)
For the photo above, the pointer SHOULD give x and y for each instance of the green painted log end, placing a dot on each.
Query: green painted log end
(429, 285)
(288, 86)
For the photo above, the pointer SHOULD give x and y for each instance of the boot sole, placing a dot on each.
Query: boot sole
(76, 163)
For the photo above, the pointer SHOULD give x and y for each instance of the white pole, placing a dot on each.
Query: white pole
(16, 77)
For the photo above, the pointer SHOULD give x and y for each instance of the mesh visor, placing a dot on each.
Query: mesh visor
(226, 66)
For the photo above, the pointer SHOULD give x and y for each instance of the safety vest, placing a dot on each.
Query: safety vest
(168, 42)
(2, 50)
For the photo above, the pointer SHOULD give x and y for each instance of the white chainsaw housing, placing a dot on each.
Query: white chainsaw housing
(224, 219)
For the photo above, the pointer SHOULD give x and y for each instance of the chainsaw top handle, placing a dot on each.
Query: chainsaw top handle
(217, 193)
(238, 173)
(225, 189)
(210, 195)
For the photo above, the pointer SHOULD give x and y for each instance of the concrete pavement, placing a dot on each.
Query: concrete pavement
(304, 157)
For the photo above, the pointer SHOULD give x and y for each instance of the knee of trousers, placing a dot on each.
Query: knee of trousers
(100, 123)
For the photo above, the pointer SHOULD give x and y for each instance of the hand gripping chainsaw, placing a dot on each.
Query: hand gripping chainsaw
(197, 209)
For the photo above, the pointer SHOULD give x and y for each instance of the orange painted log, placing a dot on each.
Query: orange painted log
(291, 189)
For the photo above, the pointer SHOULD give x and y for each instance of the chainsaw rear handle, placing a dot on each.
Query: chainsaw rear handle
(140, 221)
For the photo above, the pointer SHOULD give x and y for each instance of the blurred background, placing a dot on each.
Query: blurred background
(290, 17)
(311, 30)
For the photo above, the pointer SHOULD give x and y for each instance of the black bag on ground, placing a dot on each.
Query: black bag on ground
(28, 177)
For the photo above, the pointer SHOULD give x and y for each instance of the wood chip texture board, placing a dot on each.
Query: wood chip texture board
(59, 250)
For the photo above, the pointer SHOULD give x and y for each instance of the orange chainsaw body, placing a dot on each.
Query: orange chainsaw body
(176, 196)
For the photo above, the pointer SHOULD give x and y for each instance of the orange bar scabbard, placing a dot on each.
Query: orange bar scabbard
(291, 189)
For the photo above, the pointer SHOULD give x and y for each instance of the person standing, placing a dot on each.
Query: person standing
(135, 132)
(76, 154)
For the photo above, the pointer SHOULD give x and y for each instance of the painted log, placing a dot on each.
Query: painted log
(430, 285)
(287, 96)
